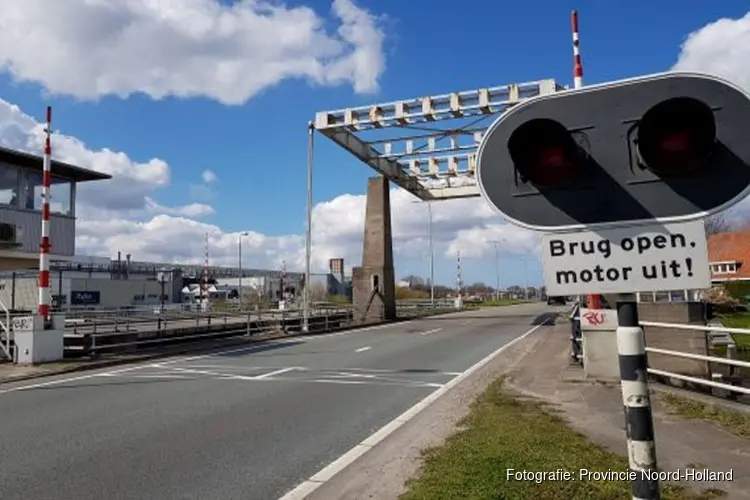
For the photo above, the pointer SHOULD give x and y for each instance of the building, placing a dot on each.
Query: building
(75, 290)
(21, 204)
(729, 256)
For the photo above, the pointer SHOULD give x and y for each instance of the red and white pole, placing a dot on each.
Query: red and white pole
(44, 246)
(594, 300)
(458, 272)
(577, 65)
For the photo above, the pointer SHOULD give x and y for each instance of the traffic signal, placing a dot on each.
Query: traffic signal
(672, 146)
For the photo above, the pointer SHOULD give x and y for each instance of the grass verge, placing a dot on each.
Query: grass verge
(504, 432)
(503, 302)
(736, 422)
(738, 320)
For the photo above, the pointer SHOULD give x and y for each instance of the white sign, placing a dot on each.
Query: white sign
(632, 259)
(22, 323)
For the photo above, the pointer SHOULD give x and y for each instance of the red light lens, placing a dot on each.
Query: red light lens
(544, 153)
(677, 136)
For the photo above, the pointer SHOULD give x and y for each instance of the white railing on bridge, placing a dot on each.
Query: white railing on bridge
(733, 383)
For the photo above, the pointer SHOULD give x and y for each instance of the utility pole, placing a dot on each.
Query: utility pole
(239, 259)
(496, 243)
(432, 253)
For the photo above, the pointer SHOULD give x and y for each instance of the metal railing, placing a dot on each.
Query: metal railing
(98, 342)
(733, 383)
(6, 336)
(735, 380)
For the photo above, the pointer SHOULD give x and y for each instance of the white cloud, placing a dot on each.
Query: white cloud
(721, 48)
(186, 48)
(209, 177)
(124, 214)
(129, 193)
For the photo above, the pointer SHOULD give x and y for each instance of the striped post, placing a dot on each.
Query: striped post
(594, 300)
(639, 425)
(44, 246)
(458, 273)
(577, 65)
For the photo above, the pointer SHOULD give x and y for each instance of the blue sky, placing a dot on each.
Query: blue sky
(258, 149)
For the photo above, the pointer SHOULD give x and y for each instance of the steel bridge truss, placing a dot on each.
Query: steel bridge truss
(427, 145)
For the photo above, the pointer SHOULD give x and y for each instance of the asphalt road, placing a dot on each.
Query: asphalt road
(246, 424)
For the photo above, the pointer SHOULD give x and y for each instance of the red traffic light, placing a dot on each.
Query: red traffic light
(544, 153)
(677, 136)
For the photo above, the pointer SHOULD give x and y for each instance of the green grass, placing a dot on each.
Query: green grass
(503, 302)
(738, 320)
(504, 432)
(738, 423)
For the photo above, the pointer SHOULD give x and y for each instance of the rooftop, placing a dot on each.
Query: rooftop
(33, 162)
(730, 247)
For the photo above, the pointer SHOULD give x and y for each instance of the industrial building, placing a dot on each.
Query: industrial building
(96, 282)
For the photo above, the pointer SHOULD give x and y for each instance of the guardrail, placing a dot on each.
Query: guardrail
(728, 377)
(732, 383)
(132, 339)
(134, 333)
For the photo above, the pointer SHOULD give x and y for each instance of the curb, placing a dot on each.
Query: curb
(188, 349)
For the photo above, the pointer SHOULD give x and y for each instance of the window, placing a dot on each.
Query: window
(8, 185)
(60, 193)
(724, 268)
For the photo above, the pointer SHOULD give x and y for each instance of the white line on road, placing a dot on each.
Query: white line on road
(363, 349)
(200, 356)
(431, 331)
(316, 481)
(275, 372)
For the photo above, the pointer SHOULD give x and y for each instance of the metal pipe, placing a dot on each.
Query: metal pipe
(308, 235)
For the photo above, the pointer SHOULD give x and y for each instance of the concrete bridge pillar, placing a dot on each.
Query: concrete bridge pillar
(374, 283)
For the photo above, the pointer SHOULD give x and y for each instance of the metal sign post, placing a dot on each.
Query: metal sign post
(621, 177)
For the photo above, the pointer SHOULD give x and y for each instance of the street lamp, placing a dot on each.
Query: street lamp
(308, 232)
(432, 255)
(497, 268)
(239, 258)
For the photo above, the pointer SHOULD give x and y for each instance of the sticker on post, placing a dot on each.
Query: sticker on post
(632, 259)
(22, 323)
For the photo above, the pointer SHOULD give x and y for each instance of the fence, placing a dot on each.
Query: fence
(727, 362)
(91, 332)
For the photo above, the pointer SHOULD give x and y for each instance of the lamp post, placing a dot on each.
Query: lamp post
(432, 254)
(308, 232)
(496, 243)
(239, 259)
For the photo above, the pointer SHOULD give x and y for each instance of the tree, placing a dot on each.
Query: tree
(718, 224)
(413, 280)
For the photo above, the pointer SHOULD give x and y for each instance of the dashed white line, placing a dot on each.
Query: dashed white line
(434, 330)
(363, 349)
(274, 373)
(307, 487)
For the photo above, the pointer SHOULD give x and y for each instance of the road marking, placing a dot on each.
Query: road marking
(363, 349)
(182, 359)
(431, 331)
(321, 477)
(211, 374)
(275, 372)
(375, 382)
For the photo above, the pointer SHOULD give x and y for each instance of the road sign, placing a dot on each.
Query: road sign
(670, 147)
(627, 260)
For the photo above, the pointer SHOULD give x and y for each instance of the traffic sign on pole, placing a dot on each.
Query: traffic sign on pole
(665, 150)
(623, 260)
(670, 147)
